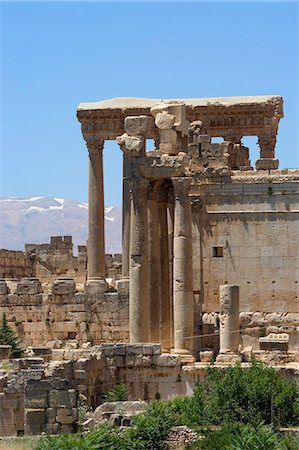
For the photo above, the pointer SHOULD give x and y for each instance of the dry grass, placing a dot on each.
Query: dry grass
(18, 443)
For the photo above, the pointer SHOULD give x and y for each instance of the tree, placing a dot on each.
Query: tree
(8, 337)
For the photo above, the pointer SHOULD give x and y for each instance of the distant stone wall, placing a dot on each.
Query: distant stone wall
(15, 264)
(49, 261)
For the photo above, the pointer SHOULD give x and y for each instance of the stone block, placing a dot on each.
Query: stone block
(95, 287)
(148, 349)
(29, 286)
(120, 349)
(35, 420)
(146, 360)
(134, 349)
(164, 120)
(203, 138)
(138, 360)
(120, 361)
(66, 429)
(38, 385)
(51, 415)
(194, 150)
(108, 351)
(58, 399)
(228, 358)
(66, 286)
(65, 416)
(3, 287)
(122, 287)
(206, 356)
(275, 342)
(137, 125)
(130, 360)
(156, 349)
(266, 164)
(167, 360)
(36, 399)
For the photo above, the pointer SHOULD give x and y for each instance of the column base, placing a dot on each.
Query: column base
(266, 164)
(95, 286)
(228, 358)
(186, 356)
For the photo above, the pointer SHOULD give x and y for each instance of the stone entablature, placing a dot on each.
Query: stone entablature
(227, 116)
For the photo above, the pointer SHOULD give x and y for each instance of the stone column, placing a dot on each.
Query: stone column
(138, 297)
(183, 308)
(126, 217)
(154, 264)
(170, 222)
(166, 317)
(96, 236)
(267, 159)
(229, 323)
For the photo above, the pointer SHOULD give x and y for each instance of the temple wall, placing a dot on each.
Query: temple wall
(247, 234)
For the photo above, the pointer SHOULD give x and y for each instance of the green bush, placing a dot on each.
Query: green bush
(8, 337)
(245, 437)
(257, 393)
(102, 437)
(118, 393)
(151, 428)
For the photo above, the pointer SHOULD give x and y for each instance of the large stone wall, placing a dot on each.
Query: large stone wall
(246, 232)
(15, 264)
(63, 310)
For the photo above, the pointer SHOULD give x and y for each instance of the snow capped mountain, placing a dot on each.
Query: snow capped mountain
(35, 219)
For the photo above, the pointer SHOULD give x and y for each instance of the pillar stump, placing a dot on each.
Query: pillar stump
(229, 324)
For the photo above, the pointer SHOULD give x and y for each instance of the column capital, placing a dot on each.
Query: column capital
(181, 186)
(94, 146)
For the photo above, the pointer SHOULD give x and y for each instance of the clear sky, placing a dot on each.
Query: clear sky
(56, 55)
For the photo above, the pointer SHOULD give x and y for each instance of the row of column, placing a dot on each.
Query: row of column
(161, 276)
(157, 252)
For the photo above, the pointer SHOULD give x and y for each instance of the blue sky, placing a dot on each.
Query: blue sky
(56, 55)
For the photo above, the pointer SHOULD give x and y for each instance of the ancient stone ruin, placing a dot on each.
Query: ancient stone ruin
(209, 267)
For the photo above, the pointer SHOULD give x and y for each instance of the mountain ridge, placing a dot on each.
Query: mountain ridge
(32, 220)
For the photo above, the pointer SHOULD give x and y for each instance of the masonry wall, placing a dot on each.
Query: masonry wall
(63, 310)
(246, 233)
(15, 264)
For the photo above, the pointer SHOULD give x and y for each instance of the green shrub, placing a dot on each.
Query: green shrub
(8, 337)
(245, 437)
(118, 393)
(257, 393)
(151, 428)
(102, 437)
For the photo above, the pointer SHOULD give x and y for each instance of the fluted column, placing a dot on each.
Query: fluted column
(182, 268)
(138, 297)
(170, 222)
(154, 264)
(126, 217)
(166, 317)
(96, 233)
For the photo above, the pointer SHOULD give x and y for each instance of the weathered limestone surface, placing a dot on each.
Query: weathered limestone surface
(182, 268)
(229, 319)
